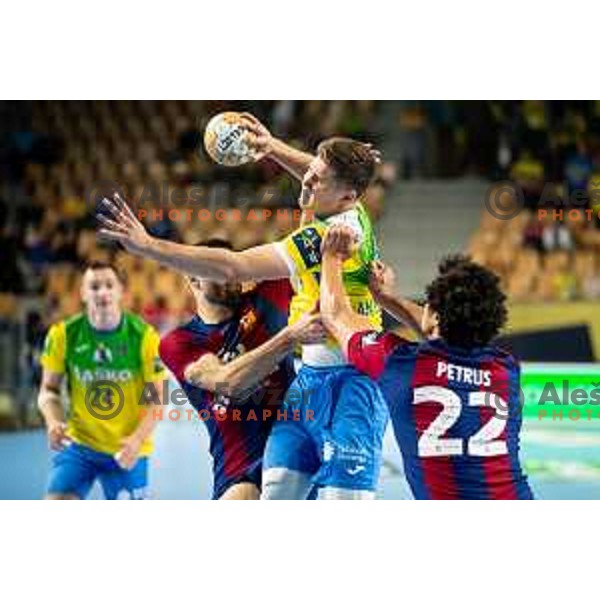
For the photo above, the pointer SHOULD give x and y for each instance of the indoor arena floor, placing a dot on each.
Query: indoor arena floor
(562, 459)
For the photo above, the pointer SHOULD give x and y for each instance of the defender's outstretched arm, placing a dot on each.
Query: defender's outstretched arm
(218, 264)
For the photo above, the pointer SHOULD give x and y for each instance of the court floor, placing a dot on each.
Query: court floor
(562, 459)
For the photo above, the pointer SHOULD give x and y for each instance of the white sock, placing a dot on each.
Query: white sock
(332, 493)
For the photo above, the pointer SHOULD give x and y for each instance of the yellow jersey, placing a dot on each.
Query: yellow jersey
(301, 251)
(106, 374)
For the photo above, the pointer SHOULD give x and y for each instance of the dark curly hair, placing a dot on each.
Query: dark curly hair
(469, 302)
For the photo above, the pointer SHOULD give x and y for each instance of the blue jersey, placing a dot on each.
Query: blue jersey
(238, 427)
(456, 414)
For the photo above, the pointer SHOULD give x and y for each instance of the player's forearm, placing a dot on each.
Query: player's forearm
(403, 310)
(334, 301)
(337, 313)
(50, 406)
(245, 371)
(217, 264)
(250, 369)
(294, 161)
(336, 310)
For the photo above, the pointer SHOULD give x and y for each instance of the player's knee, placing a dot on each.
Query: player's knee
(285, 484)
(241, 491)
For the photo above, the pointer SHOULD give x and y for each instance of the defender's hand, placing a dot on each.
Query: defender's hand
(382, 279)
(339, 240)
(123, 226)
(127, 456)
(260, 139)
(308, 330)
(57, 435)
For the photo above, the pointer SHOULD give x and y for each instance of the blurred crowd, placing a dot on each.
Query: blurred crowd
(532, 140)
(57, 158)
(540, 258)
(549, 250)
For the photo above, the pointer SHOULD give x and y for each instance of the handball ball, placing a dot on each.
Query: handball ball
(226, 140)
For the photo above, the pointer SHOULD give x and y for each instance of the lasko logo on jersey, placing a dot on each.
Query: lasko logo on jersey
(89, 376)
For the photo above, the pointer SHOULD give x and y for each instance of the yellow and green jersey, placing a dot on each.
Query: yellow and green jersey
(106, 372)
(302, 253)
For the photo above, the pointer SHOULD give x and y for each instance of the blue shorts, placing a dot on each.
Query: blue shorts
(339, 433)
(76, 467)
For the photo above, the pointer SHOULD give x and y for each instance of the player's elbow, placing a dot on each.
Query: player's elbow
(46, 396)
(41, 400)
(211, 379)
(199, 376)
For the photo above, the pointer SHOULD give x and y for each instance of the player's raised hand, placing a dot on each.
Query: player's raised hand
(122, 225)
(260, 139)
(339, 240)
(382, 279)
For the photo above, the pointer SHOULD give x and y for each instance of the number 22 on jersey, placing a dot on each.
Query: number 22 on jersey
(484, 442)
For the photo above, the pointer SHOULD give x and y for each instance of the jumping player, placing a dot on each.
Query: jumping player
(341, 449)
(110, 361)
(453, 398)
(233, 360)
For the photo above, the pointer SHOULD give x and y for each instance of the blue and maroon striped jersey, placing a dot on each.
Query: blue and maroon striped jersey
(456, 414)
(238, 428)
